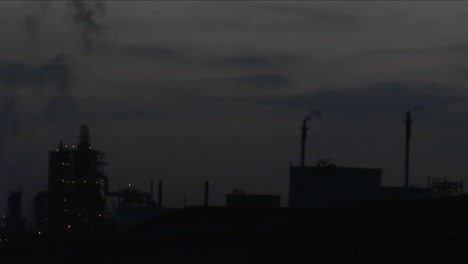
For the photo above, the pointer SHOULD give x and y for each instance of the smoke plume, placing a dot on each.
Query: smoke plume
(84, 15)
(33, 19)
(313, 113)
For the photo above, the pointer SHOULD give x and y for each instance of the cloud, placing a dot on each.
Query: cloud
(57, 72)
(263, 80)
(150, 52)
(377, 100)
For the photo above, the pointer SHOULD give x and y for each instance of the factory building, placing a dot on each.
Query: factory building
(240, 199)
(76, 202)
(327, 185)
(15, 223)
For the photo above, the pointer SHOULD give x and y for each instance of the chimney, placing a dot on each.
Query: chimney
(407, 147)
(160, 194)
(303, 141)
(207, 189)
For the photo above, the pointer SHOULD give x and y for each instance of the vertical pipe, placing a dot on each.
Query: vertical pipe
(303, 141)
(160, 194)
(206, 193)
(407, 147)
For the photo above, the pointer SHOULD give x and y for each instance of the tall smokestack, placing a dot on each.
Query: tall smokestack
(151, 189)
(160, 194)
(207, 190)
(407, 147)
(303, 141)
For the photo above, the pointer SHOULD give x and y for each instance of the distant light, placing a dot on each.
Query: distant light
(64, 199)
(66, 145)
(84, 181)
(57, 150)
(89, 147)
(39, 232)
(69, 226)
(129, 185)
(73, 146)
(100, 215)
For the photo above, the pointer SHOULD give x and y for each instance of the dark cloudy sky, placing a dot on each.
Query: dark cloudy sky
(193, 91)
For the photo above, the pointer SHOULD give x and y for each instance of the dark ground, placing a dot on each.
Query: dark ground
(396, 232)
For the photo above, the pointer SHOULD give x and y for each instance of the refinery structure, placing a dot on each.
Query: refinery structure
(78, 197)
(326, 202)
(77, 188)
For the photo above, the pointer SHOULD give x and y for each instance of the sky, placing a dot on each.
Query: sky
(189, 91)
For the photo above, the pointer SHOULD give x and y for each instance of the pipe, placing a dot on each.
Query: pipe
(207, 189)
(160, 194)
(407, 147)
(303, 141)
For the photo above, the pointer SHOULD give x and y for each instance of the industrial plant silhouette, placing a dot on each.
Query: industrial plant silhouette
(334, 215)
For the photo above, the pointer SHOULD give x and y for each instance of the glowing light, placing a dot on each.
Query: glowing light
(100, 215)
(129, 185)
(66, 145)
(64, 200)
(69, 226)
(84, 181)
(56, 150)
(39, 232)
(73, 146)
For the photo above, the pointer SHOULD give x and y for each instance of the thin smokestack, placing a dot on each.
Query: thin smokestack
(160, 194)
(304, 128)
(407, 147)
(151, 189)
(207, 190)
(303, 141)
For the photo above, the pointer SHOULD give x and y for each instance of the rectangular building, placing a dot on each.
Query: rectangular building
(328, 186)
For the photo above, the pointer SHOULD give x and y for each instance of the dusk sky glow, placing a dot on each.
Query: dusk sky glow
(188, 91)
